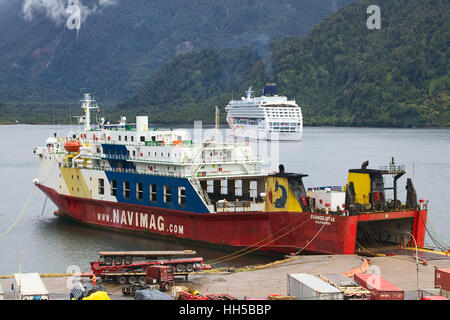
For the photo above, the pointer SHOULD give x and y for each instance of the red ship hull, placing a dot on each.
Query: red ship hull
(282, 232)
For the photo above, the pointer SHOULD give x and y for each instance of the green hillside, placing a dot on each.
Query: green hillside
(341, 73)
(120, 46)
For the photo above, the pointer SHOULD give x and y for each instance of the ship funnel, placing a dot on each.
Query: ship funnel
(270, 90)
(364, 165)
(142, 124)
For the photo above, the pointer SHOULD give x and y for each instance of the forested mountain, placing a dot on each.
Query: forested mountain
(341, 73)
(121, 43)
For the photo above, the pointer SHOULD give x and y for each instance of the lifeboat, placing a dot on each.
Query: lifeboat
(73, 146)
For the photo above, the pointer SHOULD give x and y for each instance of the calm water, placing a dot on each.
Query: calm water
(50, 244)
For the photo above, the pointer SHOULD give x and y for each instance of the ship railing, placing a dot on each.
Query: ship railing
(230, 206)
(123, 170)
(185, 160)
(393, 168)
(156, 172)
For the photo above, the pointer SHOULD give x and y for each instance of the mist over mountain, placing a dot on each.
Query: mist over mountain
(120, 44)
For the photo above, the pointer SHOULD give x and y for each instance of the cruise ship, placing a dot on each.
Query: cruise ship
(268, 117)
(131, 178)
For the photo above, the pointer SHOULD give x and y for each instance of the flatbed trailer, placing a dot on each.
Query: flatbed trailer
(129, 257)
(136, 271)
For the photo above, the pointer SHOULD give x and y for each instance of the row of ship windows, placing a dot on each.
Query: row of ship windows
(286, 124)
(275, 113)
(152, 195)
(141, 138)
(134, 153)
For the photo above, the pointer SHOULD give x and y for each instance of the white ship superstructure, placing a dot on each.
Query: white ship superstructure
(270, 116)
(132, 163)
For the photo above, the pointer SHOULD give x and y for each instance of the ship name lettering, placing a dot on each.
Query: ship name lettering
(115, 216)
(160, 223)
(123, 219)
(144, 220)
(322, 218)
(141, 220)
(130, 217)
(152, 222)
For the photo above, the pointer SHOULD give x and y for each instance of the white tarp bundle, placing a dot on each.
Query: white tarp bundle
(30, 284)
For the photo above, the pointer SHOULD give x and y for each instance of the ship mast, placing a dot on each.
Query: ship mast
(217, 123)
(87, 106)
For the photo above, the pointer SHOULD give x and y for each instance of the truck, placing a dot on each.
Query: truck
(162, 275)
(29, 286)
(131, 267)
(306, 286)
(158, 276)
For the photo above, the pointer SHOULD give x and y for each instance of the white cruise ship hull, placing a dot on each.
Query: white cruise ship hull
(268, 117)
(255, 132)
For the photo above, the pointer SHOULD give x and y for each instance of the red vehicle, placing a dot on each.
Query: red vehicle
(111, 267)
(163, 275)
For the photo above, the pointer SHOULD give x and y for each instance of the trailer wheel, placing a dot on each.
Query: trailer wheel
(165, 287)
(142, 280)
(179, 268)
(118, 261)
(108, 261)
(122, 279)
(132, 280)
(128, 260)
(189, 267)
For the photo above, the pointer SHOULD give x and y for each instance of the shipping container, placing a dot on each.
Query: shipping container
(442, 278)
(380, 288)
(305, 286)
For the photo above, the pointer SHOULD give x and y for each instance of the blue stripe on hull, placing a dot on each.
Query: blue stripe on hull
(193, 202)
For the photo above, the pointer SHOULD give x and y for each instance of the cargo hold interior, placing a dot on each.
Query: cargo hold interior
(381, 235)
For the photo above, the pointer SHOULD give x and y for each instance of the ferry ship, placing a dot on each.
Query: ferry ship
(128, 177)
(268, 117)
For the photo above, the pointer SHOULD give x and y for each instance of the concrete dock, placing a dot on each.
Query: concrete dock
(401, 270)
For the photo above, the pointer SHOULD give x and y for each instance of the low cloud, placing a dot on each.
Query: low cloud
(57, 10)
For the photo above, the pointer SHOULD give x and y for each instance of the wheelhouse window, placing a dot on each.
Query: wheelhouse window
(153, 192)
(126, 189)
(182, 196)
(167, 194)
(139, 191)
(223, 186)
(101, 186)
(238, 188)
(113, 187)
